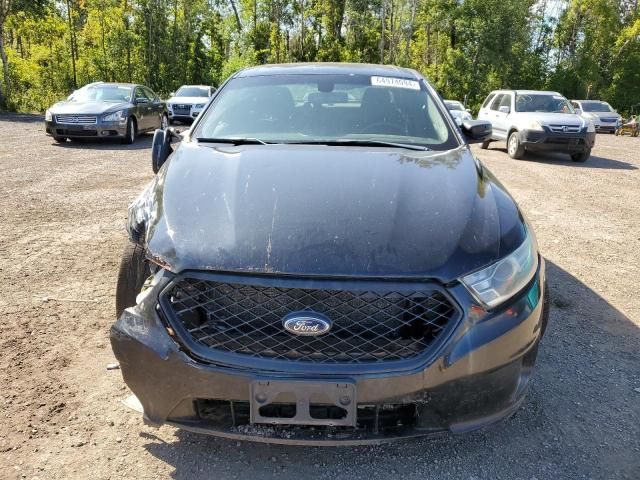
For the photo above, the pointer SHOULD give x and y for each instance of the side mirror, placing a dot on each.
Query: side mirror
(161, 147)
(504, 109)
(468, 110)
(577, 110)
(476, 131)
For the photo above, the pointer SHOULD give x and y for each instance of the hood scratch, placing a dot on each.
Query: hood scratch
(267, 266)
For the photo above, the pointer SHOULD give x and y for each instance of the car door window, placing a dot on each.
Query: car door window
(488, 100)
(495, 105)
(505, 101)
(141, 95)
(150, 94)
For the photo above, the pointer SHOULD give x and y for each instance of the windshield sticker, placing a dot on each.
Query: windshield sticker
(395, 82)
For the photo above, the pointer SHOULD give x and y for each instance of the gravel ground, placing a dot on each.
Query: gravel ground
(62, 212)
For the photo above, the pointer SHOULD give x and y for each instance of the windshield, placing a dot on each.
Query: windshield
(321, 107)
(102, 93)
(453, 105)
(596, 107)
(192, 92)
(542, 102)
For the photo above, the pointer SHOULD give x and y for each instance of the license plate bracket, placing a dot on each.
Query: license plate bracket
(309, 398)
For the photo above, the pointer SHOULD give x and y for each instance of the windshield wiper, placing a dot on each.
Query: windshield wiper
(361, 143)
(234, 141)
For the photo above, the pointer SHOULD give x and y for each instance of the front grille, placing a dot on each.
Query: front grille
(369, 418)
(564, 128)
(608, 120)
(369, 324)
(76, 133)
(77, 119)
(565, 140)
(181, 109)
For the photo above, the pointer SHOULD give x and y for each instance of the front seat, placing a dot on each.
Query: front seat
(379, 114)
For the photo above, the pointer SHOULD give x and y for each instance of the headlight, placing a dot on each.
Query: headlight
(47, 116)
(114, 117)
(499, 282)
(199, 105)
(535, 125)
(591, 128)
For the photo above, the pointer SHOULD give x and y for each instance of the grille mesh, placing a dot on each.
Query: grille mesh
(368, 325)
(77, 119)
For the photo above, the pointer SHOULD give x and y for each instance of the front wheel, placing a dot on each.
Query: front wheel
(581, 156)
(514, 148)
(130, 134)
(134, 270)
(60, 139)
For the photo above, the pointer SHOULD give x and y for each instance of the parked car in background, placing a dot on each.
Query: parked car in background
(458, 111)
(188, 101)
(530, 120)
(106, 110)
(322, 260)
(603, 115)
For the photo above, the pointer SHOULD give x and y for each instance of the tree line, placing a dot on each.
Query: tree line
(582, 48)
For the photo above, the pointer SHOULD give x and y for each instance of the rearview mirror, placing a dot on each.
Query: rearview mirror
(504, 109)
(476, 131)
(161, 146)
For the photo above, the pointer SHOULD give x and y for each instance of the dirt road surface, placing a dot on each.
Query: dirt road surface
(62, 211)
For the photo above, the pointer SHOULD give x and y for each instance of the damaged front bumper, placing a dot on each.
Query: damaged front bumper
(478, 375)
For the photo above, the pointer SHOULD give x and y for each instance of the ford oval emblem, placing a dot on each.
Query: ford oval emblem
(306, 324)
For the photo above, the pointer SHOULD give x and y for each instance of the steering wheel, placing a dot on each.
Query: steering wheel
(395, 128)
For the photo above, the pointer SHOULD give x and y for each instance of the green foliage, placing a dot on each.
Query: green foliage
(466, 47)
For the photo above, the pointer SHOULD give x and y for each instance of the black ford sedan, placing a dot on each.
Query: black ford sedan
(111, 110)
(322, 260)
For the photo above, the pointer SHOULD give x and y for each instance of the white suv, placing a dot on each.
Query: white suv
(186, 104)
(531, 120)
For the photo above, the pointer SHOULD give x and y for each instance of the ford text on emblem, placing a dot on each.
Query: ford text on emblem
(308, 324)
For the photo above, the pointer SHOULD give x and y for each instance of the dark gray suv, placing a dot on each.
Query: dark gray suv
(114, 110)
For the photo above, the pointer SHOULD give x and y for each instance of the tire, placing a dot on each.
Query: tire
(581, 156)
(130, 134)
(514, 149)
(485, 145)
(164, 121)
(134, 270)
(60, 139)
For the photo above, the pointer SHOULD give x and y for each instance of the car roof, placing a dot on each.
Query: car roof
(590, 101)
(120, 84)
(329, 69)
(203, 86)
(528, 92)
(449, 100)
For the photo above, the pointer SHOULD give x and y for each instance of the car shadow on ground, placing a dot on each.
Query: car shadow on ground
(582, 396)
(553, 158)
(142, 142)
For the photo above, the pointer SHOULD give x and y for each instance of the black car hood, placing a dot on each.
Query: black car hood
(318, 210)
(67, 108)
